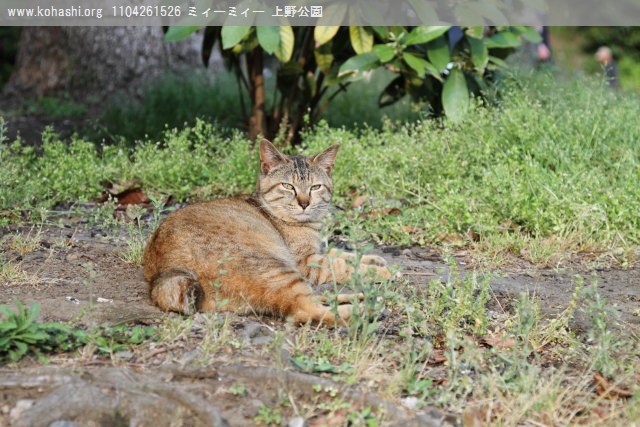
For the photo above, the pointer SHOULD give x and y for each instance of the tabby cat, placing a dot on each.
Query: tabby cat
(258, 254)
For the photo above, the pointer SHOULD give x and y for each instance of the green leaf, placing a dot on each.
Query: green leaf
(323, 34)
(324, 57)
(421, 35)
(417, 64)
(180, 33)
(382, 32)
(269, 38)
(479, 53)
(333, 13)
(475, 32)
(455, 95)
(384, 52)
(503, 39)
(285, 47)
(420, 65)
(530, 34)
(361, 39)
(438, 53)
(358, 64)
(499, 62)
(392, 93)
(231, 36)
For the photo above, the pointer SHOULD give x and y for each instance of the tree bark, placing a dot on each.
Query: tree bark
(96, 61)
(258, 119)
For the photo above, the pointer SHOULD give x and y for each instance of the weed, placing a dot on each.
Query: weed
(238, 390)
(21, 334)
(10, 271)
(268, 416)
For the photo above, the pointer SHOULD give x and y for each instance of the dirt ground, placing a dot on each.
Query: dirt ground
(76, 273)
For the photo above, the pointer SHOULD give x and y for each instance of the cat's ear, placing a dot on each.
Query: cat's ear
(270, 157)
(327, 158)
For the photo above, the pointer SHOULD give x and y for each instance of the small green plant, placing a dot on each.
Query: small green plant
(238, 390)
(21, 334)
(602, 341)
(459, 303)
(268, 416)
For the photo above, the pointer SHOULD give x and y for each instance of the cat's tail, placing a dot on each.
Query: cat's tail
(177, 290)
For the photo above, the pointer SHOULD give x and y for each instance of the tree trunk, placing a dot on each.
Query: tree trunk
(95, 61)
(258, 118)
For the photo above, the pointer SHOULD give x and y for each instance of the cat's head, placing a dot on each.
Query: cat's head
(295, 188)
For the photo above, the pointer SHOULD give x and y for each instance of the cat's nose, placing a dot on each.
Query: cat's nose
(303, 202)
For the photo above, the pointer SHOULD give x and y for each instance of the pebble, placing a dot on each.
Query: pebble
(410, 402)
(297, 422)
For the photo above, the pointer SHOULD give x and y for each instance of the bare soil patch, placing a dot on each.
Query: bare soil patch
(76, 273)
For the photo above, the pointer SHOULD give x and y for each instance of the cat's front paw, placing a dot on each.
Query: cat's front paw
(373, 260)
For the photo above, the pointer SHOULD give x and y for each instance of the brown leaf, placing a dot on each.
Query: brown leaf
(125, 193)
(133, 196)
(359, 201)
(605, 388)
(436, 357)
(411, 230)
(499, 340)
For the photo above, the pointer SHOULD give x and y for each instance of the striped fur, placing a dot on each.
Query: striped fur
(260, 254)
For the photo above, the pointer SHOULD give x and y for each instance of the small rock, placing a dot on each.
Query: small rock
(21, 406)
(407, 253)
(251, 329)
(297, 422)
(410, 402)
(73, 300)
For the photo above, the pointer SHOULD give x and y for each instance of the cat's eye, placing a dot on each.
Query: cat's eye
(316, 187)
(287, 186)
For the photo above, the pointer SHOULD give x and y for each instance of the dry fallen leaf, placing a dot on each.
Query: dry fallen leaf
(411, 230)
(436, 357)
(359, 201)
(125, 193)
(605, 388)
(499, 340)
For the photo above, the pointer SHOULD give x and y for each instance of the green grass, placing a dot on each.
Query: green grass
(551, 169)
(177, 101)
(173, 101)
